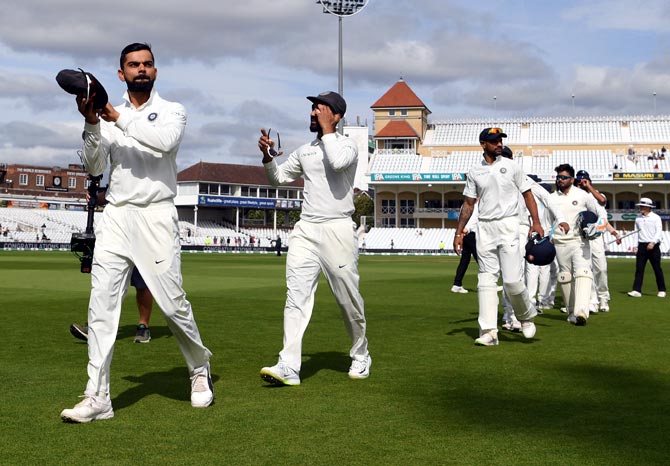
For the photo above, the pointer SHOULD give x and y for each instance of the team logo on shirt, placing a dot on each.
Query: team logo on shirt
(503, 170)
(152, 116)
(574, 202)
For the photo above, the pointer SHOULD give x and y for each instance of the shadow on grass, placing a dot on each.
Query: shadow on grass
(333, 360)
(601, 405)
(174, 384)
(128, 331)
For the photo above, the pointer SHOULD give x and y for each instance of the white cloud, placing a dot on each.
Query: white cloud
(636, 15)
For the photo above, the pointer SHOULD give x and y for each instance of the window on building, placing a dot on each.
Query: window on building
(406, 206)
(626, 205)
(224, 189)
(39, 180)
(403, 112)
(407, 222)
(388, 206)
(432, 204)
(388, 222)
(72, 183)
(391, 112)
(249, 191)
(23, 179)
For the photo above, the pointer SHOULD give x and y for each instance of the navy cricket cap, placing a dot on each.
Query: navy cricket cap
(582, 175)
(82, 83)
(507, 152)
(491, 134)
(332, 99)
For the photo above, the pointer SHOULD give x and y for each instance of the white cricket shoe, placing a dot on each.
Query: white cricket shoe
(604, 305)
(572, 319)
(360, 369)
(91, 408)
(564, 310)
(202, 392)
(528, 328)
(458, 289)
(634, 294)
(488, 339)
(512, 325)
(661, 294)
(280, 374)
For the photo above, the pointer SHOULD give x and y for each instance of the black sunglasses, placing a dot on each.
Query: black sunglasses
(563, 177)
(271, 151)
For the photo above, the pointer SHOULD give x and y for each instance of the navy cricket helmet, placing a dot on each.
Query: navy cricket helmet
(586, 219)
(540, 251)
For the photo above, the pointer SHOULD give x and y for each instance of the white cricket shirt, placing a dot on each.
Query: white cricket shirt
(328, 167)
(497, 185)
(141, 149)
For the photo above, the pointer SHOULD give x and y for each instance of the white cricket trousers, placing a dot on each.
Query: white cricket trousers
(147, 237)
(331, 247)
(500, 255)
(574, 275)
(599, 264)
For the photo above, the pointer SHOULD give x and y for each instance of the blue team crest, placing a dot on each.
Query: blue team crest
(503, 170)
(152, 116)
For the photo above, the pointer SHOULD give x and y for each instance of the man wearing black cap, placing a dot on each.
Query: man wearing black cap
(497, 183)
(139, 226)
(324, 240)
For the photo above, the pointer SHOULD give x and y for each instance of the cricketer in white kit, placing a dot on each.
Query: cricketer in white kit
(323, 240)
(573, 251)
(139, 141)
(497, 183)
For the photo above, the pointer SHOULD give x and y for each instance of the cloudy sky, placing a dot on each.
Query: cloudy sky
(239, 66)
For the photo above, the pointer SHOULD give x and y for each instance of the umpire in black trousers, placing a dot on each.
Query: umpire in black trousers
(649, 228)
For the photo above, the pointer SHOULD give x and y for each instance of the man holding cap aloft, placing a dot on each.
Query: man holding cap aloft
(649, 230)
(323, 240)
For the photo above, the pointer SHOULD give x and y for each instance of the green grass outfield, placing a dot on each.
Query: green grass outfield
(594, 395)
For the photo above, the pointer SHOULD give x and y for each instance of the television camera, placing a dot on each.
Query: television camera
(82, 244)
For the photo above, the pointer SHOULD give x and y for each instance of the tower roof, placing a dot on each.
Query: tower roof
(397, 129)
(400, 95)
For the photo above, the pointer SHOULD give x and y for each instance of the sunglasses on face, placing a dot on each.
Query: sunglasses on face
(563, 177)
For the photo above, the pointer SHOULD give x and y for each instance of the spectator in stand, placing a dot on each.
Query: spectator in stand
(649, 230)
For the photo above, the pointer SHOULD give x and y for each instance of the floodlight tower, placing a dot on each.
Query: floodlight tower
(341, 8)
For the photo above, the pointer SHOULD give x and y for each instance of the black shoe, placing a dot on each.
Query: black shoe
(79, 331)
(143, 334)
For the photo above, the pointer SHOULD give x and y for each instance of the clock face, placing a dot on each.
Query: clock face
(57, 180)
